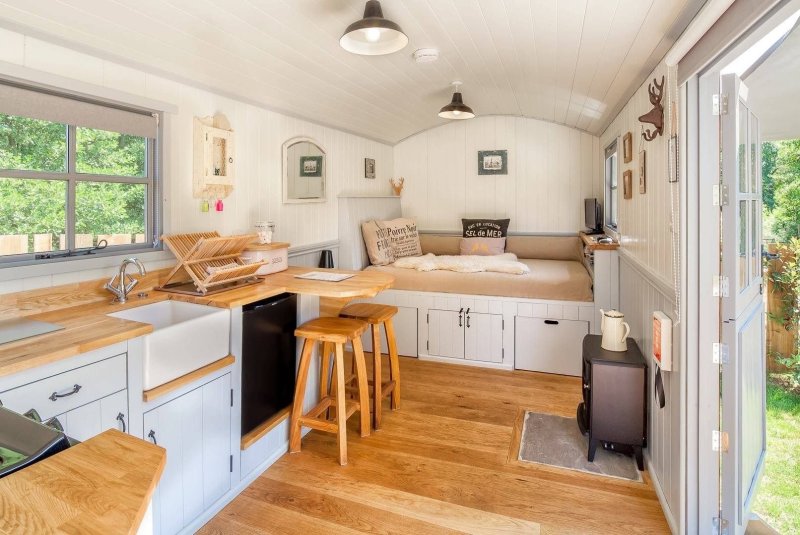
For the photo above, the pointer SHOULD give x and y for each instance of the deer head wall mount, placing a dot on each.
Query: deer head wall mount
(656, 115)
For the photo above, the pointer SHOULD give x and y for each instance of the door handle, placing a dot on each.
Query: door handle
(550, 322)
(75, 389)
(121, 419)
(467, 318)
(460, 312)
(152, 436)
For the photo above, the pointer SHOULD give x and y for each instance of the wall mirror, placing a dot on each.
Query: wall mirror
(304, 169)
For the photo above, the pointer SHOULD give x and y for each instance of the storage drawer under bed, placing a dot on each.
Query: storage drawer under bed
(549, 345)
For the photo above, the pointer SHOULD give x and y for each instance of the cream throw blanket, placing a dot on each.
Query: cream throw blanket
(502, 263)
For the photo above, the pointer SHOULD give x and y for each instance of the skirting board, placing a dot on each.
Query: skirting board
(465, 362)
(673, 525)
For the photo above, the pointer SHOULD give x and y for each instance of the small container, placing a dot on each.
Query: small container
(204, 205)
(276, 254)
(265, 231)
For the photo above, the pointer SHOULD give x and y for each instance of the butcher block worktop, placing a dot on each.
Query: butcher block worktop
(81, 309)
(103, 485)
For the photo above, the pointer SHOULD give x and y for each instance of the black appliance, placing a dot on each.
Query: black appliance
(24, 441)
(593, 216)
(269, 355)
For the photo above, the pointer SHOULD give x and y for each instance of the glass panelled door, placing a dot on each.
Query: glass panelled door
(743, 388)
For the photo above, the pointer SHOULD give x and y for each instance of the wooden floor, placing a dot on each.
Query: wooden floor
(439, 465)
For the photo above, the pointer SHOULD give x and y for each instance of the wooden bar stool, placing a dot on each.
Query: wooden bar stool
(334, 333)
(377, 315)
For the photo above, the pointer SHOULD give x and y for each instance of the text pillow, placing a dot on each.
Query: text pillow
(483, 246)
(379, 245)
(404, 236)
(485, 228)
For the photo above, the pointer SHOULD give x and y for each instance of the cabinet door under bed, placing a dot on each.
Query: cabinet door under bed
(549, 345)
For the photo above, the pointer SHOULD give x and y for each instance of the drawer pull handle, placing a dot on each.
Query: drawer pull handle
(550, 322)
(467, 318)
(121, 419)
(152, 436)
(53, 423)
(75, 389)
(459, 317)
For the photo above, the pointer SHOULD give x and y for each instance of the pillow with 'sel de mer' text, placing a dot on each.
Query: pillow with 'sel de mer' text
(378, 243)
(485, 228)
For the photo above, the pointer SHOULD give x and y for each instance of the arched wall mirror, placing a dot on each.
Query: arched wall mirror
(304, 170)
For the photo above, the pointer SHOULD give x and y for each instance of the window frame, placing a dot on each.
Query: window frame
(151, 180)
(611, 188)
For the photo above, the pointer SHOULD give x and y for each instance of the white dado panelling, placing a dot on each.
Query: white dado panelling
(551, 169)
(644, 220)
(259, 136)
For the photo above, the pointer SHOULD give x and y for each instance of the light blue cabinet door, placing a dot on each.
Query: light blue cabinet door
(216, 439)
(195, 430)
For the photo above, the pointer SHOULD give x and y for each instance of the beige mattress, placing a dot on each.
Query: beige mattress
(562, 280)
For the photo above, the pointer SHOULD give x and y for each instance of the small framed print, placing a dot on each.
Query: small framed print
(627, 184)
(627, 148)
(310, 166)
(642, 171)
(369, 168)
(492, 162)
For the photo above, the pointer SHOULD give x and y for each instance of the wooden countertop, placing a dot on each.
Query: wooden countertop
(81, 309)
(102, 486)
(590, 241)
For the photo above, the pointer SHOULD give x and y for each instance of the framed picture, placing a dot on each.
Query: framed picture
(492, 162)
(642, 171)
(311, 166)
(627, 148)
(672, 154)
(627, 184)
(369, 168)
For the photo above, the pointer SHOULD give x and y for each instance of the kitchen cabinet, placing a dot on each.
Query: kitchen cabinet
(465, 334)
(195, 430)
(110, 412)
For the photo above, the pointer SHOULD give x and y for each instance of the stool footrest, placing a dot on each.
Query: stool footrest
(387, 387)
(314, 419)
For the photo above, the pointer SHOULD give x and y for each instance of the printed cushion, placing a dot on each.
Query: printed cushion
(378, 243)
(404, 236)
(485, 228)
(483, 246)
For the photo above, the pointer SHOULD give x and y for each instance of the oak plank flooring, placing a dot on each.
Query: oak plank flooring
(440, 464)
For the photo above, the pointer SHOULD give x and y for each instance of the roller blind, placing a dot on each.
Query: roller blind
(16, 100)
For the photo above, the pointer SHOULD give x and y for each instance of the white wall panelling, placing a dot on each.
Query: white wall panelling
(639, 297)
(570, 62)
(259, 134)
(551, 169)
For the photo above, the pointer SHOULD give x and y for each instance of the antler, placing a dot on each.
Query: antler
(657, 92)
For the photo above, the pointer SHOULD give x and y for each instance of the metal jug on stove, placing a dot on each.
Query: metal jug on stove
(615, 331)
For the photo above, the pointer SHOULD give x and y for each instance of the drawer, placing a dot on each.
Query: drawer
(549, 345)
(58, 394)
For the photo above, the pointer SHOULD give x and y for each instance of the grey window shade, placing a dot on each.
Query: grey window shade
(39, 105)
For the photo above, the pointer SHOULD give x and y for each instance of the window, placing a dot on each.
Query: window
(76, 177)
(612, 187)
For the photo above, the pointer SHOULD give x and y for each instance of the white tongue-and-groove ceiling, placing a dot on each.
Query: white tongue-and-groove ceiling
(574, 62)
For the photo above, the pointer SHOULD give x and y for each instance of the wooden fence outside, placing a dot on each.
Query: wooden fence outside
(780, 341)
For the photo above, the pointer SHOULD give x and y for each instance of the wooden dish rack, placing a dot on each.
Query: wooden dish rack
(199, 251)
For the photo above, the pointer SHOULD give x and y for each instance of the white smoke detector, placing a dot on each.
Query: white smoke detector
(425, 55)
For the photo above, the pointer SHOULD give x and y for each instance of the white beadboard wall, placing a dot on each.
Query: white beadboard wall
(646, 285)
(644, 220)
(551, 169)
(259, 134)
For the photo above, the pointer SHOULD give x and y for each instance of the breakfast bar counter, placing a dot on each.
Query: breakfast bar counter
(103, 485)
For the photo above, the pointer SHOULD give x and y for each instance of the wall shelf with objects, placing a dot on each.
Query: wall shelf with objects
(214, 158)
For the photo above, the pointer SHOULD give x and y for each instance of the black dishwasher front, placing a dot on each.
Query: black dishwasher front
(268, 358)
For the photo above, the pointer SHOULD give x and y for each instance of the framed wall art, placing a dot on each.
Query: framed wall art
(642, 171)
(369, 168)
(492, 162)
(627, 148)
(310, 166)
(627, 184)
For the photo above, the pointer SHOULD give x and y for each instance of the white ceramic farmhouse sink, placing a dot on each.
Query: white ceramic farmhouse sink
(185, 337)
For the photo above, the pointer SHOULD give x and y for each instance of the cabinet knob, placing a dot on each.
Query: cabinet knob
(152, 436)
(121, 419)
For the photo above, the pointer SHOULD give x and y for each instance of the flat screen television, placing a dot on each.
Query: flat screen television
(593, 214)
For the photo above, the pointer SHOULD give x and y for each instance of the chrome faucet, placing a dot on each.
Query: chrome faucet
(121, 290)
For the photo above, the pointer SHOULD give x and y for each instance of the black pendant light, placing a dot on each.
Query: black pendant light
(373, 35)
(456, 109)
